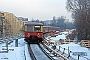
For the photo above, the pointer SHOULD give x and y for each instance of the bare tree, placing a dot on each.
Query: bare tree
(80, 10)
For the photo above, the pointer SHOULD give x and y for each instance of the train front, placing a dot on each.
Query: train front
(33, 33)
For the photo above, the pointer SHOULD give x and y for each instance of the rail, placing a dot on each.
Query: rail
(37, 52)
(55, 52)
(63, 54)
(31, 53)
(41, 46)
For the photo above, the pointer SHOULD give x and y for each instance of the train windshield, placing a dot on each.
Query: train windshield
(37, 28)
(29, 28)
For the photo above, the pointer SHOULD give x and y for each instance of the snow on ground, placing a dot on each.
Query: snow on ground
(21, 42)
(27, 53)
(15, 53)
(65, 33)
(75, 48)
(63, 37)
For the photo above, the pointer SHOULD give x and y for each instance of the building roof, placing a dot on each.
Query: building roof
(50, 27)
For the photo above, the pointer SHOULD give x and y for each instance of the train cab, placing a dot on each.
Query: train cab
(33, 32)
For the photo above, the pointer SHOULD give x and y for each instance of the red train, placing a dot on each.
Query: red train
(33, 32)
(50, 29)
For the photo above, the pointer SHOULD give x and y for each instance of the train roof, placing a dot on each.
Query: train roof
(50, 27)
(32, 23)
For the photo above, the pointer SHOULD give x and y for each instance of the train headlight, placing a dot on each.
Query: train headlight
(28, 35)
(38, 35)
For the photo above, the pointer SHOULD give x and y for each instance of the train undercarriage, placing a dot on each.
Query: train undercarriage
(33, 39)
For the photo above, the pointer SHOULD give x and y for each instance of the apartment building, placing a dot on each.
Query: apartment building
(11, 26)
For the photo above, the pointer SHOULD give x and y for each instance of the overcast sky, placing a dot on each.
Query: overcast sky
(36, 9)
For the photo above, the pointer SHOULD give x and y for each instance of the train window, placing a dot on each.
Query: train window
(37, 28)
(30, 28)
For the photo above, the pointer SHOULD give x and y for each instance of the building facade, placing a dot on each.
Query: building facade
(1, 25)
(11, 26)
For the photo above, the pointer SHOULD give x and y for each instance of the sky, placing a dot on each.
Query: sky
(36, 9)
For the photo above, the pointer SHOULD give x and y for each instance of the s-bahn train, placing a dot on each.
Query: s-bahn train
(47, 29)
(33, 32)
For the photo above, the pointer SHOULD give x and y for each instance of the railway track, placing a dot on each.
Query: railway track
(38, 53)
(57, 52)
